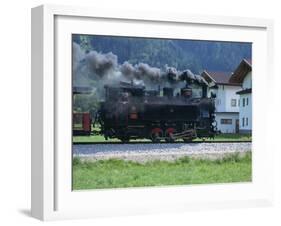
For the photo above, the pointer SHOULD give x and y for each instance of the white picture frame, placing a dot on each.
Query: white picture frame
(52, 197)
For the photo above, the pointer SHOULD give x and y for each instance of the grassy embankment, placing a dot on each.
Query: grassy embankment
(220, 137)
(115, 173)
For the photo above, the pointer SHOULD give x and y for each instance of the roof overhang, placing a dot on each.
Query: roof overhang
(241, 71)
(208, 77)
(244, 91)
(229, 84)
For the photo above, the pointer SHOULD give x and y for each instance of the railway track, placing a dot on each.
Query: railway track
(164, 142)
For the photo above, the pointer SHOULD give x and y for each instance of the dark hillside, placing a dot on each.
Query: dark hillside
(181, 54)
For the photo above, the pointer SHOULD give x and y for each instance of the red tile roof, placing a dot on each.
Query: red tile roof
(218, 77)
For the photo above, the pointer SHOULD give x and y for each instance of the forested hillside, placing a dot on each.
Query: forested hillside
(181, 54)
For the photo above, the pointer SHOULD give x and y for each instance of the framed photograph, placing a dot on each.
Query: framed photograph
(135, 112)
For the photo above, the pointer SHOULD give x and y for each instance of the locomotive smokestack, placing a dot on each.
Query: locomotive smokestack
(186, 92)
(168, 92)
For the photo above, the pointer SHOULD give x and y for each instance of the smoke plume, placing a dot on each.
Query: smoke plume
(101, 64)
(104, 69)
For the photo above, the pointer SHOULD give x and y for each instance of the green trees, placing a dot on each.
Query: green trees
(83, 102)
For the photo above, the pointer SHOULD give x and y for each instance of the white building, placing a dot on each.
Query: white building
(227, 101)
(243, 74)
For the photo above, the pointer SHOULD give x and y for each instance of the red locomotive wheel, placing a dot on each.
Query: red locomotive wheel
(169, 135)
(156, 134)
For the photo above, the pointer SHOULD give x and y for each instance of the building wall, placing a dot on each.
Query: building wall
(245, 113)
(223, 122)
(225, 109)
(246, 109)
(247, 83)
(227, 100)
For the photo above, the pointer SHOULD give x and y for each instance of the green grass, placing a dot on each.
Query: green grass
(233, 137)
(219, 137)
(115, 173)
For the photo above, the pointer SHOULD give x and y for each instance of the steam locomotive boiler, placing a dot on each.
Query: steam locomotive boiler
(131, 111)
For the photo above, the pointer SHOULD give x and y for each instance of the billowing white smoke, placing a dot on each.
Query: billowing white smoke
(101, 64)
(78, 56)
(141, 73)
(95, 69)
(104, 69)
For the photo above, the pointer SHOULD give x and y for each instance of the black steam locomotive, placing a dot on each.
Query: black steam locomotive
(131, 111)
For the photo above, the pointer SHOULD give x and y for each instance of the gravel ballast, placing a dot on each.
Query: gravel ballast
(162, 151)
